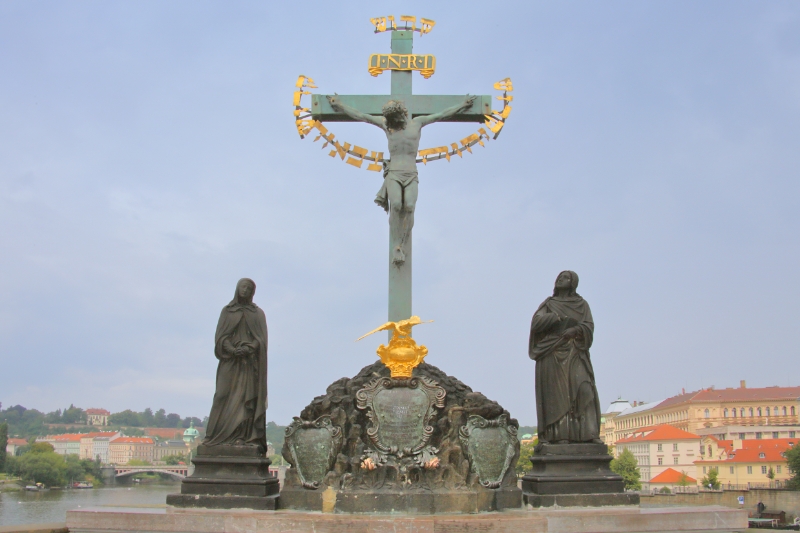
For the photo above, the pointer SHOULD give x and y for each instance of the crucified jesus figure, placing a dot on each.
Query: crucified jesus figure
(398, 195)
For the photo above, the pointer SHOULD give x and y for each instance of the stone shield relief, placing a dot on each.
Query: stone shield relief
(490, 447)
(400, 411)
(313, 447)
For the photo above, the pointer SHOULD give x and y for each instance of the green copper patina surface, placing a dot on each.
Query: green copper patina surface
(417, 105)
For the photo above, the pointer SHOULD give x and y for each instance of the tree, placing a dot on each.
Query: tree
(525, 452)
(139, 462)
(73, 468)
(771, 474)
(683, 480)
(43, 467)
(626, 466)
(160, 419)
(175, 459)
(73, 415)
(173, 420)
(711, 479)
(665, 490)
(3, 444)
(793, 460)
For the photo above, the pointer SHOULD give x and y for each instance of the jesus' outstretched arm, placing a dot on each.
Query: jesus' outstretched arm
(355, 114)
(424, 120)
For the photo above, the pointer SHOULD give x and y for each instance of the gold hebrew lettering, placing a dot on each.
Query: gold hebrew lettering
(355, 162)
(412, 20)
(427, 25)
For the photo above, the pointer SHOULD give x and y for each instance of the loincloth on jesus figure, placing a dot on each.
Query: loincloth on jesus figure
(402, 177)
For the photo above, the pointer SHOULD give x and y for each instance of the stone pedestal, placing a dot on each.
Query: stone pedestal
(574, 475)
(408, 502)
(228, 477)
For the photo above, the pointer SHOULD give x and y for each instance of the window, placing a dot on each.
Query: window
(661, 460)
(759, 411)
(674, 460)
(758, 434)
(707, 413)
(751, 411)
(778, 469)
(793, 410)
(774, 434)
(725, 412)
(791, 434)
(709, 449)
(762, 456)
(675, 447)
(702, 450)
(741, 436)
(784, 410)
(749, 469)
(731, 470)
(764, 469)
(767, 411)
(704, 469)
(660, 449)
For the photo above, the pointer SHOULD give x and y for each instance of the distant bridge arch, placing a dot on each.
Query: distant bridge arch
(176, 471)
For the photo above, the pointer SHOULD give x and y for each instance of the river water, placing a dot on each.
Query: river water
(52, 505)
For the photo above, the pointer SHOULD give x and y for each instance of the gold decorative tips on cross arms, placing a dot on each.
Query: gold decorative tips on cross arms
(402, 354)
(302, 114)
(425, 64)
(387, 24)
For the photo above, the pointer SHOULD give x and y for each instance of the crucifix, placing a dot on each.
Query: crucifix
(401, 115)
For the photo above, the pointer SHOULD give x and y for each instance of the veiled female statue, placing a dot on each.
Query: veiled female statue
(567, 405)
(238, 414)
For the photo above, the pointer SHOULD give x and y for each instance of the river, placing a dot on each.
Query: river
(52, 505)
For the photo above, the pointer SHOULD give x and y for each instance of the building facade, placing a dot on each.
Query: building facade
(87, 450)
(167, 448)
(659, 448)
(97, 417)
(712, 408)
(746, 463)
(13, 445)
(124, 449)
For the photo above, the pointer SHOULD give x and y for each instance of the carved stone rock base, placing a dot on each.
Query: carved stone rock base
(403, 502)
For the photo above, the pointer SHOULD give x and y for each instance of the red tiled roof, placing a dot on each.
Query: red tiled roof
(97, 412)
(132, 440)
(17, 442)
(660, 432)
(164, 433)
(752, 450)
(99, 434)
(763, 393)
(670, 475)
(68, 437)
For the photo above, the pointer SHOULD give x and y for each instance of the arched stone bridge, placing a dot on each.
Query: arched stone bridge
(176, 471)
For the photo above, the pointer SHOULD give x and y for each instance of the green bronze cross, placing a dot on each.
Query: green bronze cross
(445, 108)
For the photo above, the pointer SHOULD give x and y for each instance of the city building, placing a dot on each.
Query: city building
(740, 432)
(100, 448)
(88, 440)
(191, 434)
(164, 433)
(710, 408)
(659, 448)
(123, 449)
(170, 447)
(607, 419)
(67, 444)
(673, 480)
(97, 417)
(746, 462)
(13, 445)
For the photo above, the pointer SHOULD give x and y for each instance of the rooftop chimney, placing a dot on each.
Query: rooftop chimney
(743, 384)
(634, 403)
(683, 390)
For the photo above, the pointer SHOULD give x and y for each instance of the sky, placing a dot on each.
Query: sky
(149, 160)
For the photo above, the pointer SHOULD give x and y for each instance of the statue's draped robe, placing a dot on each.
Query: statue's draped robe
(567, 405)
(238, 414)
